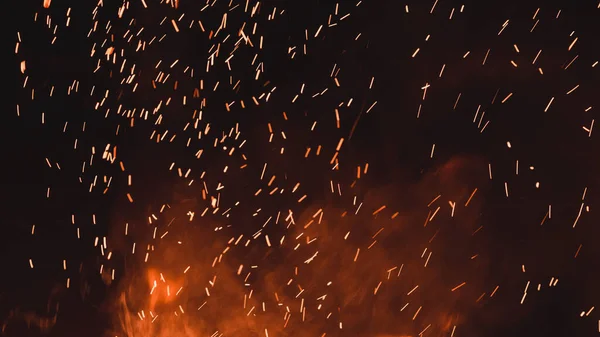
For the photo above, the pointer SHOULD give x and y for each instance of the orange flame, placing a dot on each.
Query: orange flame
(163, 290)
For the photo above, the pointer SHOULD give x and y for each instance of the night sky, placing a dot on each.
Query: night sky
(454, 141)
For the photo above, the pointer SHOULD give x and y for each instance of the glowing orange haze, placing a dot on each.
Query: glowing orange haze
(163, 290)
(319, 275)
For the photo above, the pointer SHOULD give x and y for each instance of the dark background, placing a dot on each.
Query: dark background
(392, 140)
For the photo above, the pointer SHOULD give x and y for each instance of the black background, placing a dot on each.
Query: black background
(394, 142)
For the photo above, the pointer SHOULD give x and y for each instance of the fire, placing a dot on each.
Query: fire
(163, 290)
(157, 314)
(326, 272)
(213, 283)
(276, 226)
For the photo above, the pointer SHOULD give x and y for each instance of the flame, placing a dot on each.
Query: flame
(146, 323)
(162, 290)
(314, 279)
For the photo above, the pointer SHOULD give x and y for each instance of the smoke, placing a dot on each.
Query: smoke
(337, 270)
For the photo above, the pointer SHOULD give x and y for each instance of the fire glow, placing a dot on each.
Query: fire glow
(324, 271)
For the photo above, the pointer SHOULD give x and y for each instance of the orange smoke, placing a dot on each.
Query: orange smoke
(322, 270)
(162, 290)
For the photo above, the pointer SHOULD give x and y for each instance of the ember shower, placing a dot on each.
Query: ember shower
(303, 168)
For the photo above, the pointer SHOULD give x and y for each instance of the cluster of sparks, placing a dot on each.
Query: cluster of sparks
(254, 246)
